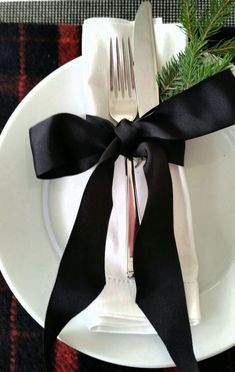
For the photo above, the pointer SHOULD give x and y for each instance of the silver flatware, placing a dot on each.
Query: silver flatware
(123, 105)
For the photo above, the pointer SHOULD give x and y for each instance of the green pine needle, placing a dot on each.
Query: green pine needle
(212, 19)
(199, 60)
(223, 47)
(188, 16)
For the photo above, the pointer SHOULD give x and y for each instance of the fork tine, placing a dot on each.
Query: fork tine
(125, 66)
(129, 70)
(128, 67)
(111, 66)
(124, 63)
(121, 69)
(131, 64)
(118, 66)
(112, 69)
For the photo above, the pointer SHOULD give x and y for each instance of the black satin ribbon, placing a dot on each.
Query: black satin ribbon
(65, 144)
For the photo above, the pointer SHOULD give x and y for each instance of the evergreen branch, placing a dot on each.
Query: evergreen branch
(171, 82)
(199, 60)
(209, 66)
(212, 19)
(223, 47)
(169, 75)
(189, 62)
(206, 66)
(188, 15)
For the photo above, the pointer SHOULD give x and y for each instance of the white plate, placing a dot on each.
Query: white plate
(29, 260)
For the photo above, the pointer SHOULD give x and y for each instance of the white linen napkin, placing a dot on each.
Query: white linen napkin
(115, 309)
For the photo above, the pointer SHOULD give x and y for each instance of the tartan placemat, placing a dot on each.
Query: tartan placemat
(27, 54)
(75, 11)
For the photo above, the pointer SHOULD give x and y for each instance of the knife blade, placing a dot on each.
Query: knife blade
(145, 65)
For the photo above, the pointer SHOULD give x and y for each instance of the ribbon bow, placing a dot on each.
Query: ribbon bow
(66, 144)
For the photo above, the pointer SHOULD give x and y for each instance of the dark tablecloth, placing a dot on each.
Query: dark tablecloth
(27, 54)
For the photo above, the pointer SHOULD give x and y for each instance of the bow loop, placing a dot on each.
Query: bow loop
(128, 134)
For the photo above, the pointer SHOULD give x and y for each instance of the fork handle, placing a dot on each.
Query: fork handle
(132, 215)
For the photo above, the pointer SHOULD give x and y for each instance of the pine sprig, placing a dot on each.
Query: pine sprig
(188, 16)
(209, 65)
(199, 60)
(169, 79)
(213, 17)
(223, 47)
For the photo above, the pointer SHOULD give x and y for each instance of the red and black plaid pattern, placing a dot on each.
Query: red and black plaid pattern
(27, 54)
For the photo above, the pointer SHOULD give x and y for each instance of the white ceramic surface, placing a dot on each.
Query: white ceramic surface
(35, 218)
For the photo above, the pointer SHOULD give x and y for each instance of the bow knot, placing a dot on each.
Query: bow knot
(128, 134)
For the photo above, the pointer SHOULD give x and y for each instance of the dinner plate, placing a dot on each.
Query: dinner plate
(35, 218)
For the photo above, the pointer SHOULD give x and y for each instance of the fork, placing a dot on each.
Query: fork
(123, 105)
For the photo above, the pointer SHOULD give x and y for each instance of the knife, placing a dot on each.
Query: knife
(145, 68)
(145, 65)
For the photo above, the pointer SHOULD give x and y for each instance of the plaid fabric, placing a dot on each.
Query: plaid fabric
(75, 11)
(27, 54)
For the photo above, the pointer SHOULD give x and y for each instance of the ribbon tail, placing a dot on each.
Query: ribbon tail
(81, 275)
(160, 288)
